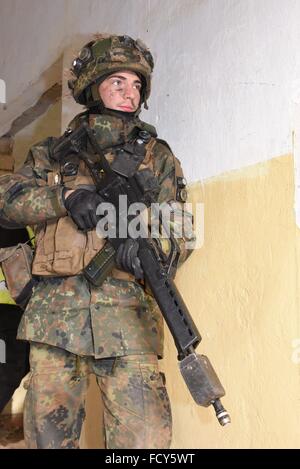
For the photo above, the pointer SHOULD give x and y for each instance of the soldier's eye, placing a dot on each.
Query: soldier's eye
(117, 83)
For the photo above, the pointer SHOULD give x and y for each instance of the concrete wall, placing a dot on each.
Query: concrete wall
(31, 44)
(226, 94)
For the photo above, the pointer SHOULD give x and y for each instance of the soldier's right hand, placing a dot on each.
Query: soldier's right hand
(81, 205)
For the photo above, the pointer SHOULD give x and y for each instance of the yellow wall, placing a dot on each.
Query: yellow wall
(242, 288)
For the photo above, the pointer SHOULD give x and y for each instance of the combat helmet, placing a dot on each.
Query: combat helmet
(103, 56)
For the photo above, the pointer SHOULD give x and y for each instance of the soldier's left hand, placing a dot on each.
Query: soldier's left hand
(127, 258)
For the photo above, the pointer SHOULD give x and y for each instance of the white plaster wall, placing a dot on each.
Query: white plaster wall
(32, 40)
(32, 37)
(227, 71)
(223, 76)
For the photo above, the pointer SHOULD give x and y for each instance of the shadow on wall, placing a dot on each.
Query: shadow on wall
(49, 124)
(33, 101)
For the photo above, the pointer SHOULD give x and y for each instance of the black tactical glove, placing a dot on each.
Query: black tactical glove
(81, 206)
(126, 258)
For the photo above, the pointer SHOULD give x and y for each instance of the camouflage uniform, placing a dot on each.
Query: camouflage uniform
(114, 331)
(137, 411)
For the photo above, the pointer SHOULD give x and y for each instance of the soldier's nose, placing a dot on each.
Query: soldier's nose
(128, 92)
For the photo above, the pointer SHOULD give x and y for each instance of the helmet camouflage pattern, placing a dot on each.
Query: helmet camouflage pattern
(106, 55)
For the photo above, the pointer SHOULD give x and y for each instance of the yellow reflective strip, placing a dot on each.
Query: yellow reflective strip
(1, 275)
(5, 298)
(30, 234)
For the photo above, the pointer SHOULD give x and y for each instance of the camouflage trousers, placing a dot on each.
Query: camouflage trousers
(137, 410)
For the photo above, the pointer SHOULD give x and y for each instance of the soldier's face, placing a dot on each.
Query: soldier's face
(121, 91)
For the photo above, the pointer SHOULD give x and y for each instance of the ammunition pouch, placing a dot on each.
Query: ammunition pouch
(16, 264)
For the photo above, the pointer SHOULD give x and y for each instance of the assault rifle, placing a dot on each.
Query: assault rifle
(119, 179)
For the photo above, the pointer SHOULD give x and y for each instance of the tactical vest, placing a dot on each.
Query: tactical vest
(63, 250)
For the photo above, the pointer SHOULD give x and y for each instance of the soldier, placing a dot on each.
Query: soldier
(114, 331)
